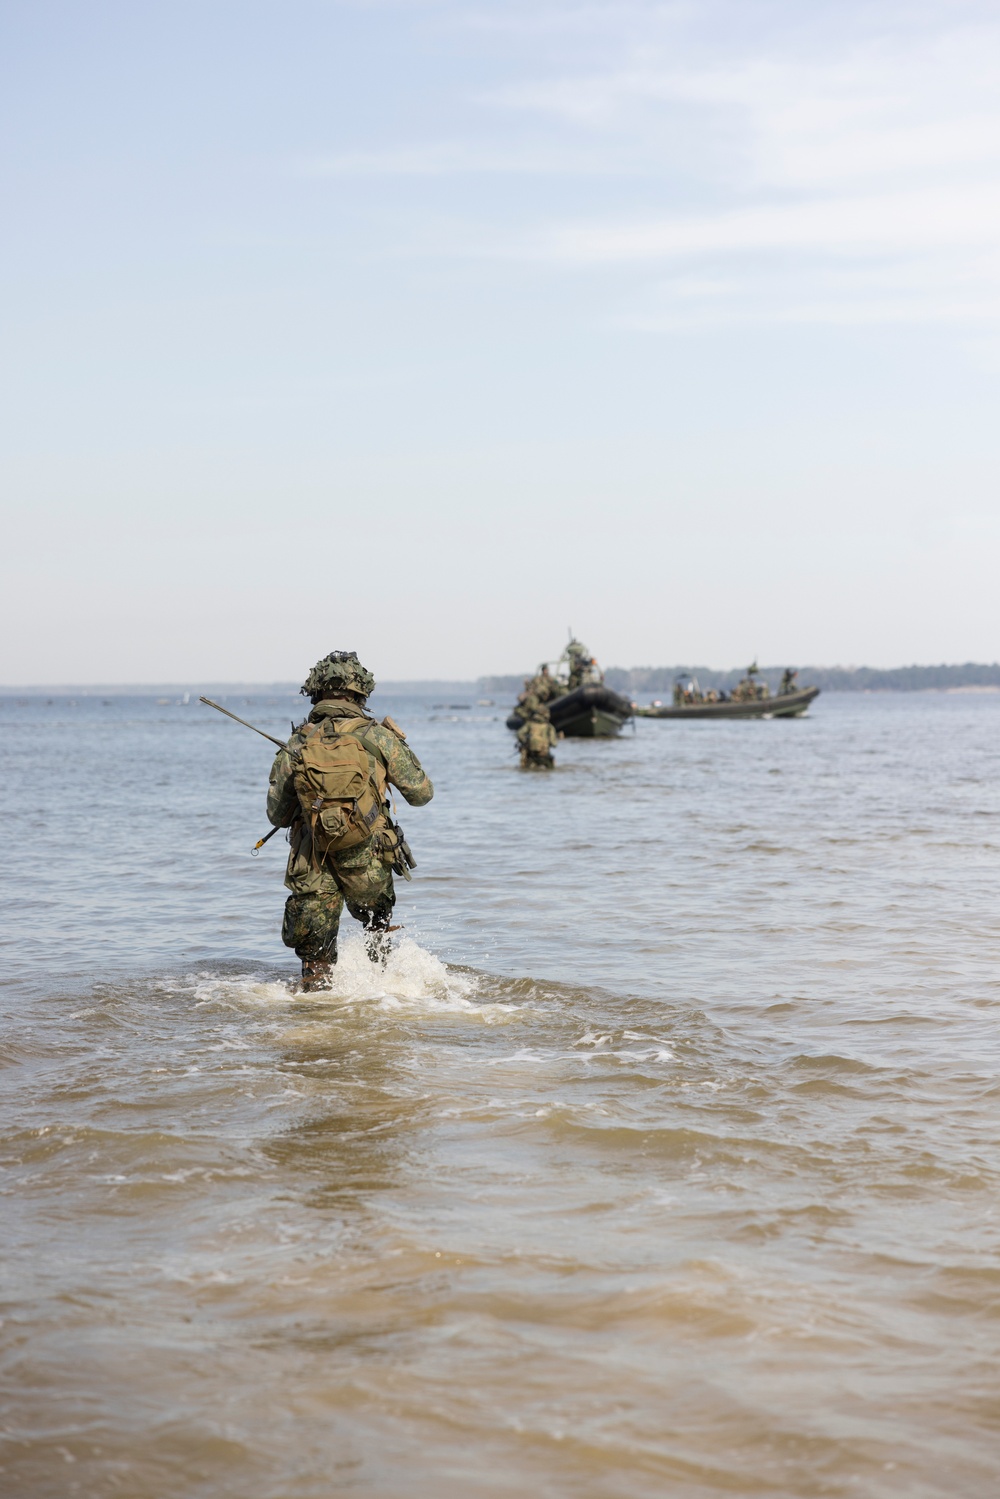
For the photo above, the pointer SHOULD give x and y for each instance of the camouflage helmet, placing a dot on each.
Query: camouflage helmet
(338, 672)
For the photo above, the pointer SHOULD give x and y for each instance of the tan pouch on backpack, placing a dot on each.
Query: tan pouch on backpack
(340, 799)
(538, 738)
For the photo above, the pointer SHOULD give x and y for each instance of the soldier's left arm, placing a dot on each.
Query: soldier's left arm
(404, 770)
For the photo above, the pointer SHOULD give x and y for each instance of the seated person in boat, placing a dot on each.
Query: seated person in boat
(688, 693)
(749, 690)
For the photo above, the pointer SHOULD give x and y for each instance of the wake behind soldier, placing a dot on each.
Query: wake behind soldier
(328, 785)
(536, 737)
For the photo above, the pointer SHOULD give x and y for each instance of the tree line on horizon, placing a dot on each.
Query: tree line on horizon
(635, 680)
(660, 679)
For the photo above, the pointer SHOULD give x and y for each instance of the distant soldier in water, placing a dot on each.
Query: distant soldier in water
(328, 785)
(787, 682)
(537, 738)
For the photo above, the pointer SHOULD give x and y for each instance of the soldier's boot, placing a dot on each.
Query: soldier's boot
(378, 943)
(315, 974)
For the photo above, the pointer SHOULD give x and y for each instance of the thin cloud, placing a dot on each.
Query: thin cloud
(458, 158)
(958, 288)
(884, 151)
(745, 153)
(881, 223)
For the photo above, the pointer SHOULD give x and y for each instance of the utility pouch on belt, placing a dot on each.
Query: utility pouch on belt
(393, 849)
(341, 799)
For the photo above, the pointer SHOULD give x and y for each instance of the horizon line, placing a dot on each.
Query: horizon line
(189, 684)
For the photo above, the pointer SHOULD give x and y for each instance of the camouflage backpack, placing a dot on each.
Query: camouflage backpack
(538, 737)
(340, 797)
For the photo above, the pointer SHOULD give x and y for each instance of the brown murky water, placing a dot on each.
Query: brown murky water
(663, 1158)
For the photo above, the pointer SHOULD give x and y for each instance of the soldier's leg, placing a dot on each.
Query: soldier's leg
(368, 891)
(310, 927)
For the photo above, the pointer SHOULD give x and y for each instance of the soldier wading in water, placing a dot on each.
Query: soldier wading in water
(536, 737)
(328, 786)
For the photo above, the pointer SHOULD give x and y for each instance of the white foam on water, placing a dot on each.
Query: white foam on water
(412, 980)
(237, 993)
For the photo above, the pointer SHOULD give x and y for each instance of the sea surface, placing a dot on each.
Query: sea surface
(661, 1160)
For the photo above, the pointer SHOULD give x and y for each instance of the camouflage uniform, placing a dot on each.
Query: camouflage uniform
(533, 758)
(544, 688)
(583, 668)
(360, 876)
(749, 690)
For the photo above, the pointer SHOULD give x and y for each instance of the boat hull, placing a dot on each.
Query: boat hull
(789, 706)
(589, 712)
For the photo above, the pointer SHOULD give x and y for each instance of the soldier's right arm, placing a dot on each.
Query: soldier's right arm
(282, 802)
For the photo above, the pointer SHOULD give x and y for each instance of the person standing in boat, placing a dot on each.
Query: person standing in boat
(541, 688)
(787, 682)
(583, 667)
(544, 686)
(328, 786)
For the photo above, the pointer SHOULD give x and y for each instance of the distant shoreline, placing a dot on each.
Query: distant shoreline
(213, 689)
(634, 681)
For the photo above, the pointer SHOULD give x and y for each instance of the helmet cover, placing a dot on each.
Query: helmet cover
(337, 672)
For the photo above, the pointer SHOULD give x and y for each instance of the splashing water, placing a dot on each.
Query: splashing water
(412, 979)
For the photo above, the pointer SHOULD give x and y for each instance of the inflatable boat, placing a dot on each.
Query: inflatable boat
(592, 711)
(790, 705)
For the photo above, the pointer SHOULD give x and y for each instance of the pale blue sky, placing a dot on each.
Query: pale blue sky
(431, 329)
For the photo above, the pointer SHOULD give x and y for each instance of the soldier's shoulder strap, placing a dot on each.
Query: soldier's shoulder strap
(300, 737)
(361, 727)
